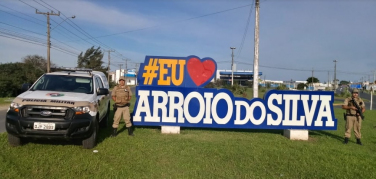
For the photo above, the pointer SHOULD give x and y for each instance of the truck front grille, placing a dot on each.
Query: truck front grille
(47, 112)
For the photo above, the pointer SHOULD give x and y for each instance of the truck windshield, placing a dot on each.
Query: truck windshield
(76, 84)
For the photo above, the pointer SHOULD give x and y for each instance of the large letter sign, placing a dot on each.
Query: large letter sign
(171, 93)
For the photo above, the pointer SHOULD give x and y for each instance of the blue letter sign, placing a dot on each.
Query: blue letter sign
(171, 93)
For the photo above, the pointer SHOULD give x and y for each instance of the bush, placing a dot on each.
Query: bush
(13, 75)
(112, 84)
(281, 87)
(210, 85)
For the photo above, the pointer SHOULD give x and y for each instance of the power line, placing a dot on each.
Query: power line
(61, 26)
(42, 5)
(36, 43)
(245, 32)
(28, 5)
(21, 13)
(23, 18)
(78, 28)
(35, 33)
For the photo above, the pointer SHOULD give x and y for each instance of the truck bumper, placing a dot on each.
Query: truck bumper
(80, 127)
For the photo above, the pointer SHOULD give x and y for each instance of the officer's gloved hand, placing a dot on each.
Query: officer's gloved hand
(114, 107)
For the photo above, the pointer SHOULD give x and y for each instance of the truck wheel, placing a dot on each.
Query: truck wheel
(104, 122)
(14, 140)
(91, 142)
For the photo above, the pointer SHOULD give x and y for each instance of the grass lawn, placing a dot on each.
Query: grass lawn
(6, 101)
(198, 153)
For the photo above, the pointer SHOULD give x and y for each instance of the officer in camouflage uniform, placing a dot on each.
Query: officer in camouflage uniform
(352, 117)
(122, 94)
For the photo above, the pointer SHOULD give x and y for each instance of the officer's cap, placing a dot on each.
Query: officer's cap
(355, 91)
(122, 78)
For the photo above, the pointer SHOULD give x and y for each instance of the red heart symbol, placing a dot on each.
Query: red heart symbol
(200, 72)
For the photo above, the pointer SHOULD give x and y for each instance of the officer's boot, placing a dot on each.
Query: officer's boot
(346, 140)
(130, 131)
(114, 132)
(358, 142)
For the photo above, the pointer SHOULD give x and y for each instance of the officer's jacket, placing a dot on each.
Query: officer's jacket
(349, 102)
(121, 94)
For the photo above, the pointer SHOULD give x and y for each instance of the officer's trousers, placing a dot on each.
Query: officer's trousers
(122, 111)
(356, 122)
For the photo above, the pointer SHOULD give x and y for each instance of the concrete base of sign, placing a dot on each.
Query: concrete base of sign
(170, 129)
(296, 134)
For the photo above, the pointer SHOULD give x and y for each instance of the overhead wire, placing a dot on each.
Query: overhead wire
(21, 13)
(35, 43)
(23, 18)
(38, 34)
(57, 22)
(245, 32)
(78, 28)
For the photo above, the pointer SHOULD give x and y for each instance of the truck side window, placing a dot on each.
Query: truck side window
(99, 82)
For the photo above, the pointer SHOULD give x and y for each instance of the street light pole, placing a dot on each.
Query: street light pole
(232, 66)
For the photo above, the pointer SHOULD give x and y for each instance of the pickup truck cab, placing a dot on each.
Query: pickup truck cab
(68, 104)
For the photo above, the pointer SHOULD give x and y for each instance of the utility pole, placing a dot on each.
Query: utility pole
(108, 66)
(232, 66)
(312, 80)
(328, 80)
(48, 35)
(120, 70)
(126, 66)
(136, 72)
(256, 60)
(335, 74)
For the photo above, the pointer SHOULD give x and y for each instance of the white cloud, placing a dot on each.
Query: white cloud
(93, 13)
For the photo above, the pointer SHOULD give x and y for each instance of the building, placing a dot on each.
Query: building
(240, 76)
(130, 76)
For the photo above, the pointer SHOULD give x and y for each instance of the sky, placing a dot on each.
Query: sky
(297, 38)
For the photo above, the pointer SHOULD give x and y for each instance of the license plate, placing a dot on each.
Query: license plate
(44, 126)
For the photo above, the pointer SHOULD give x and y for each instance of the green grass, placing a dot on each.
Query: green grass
(197, 153)
(6, 101)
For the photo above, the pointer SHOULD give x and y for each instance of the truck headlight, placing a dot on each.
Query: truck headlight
(15, 106)
(82, 109)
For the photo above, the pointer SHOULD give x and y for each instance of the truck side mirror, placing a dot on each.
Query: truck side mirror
(102, 91)
(25, 87)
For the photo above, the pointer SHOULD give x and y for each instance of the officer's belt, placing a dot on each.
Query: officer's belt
(351, 115)
(126, 105)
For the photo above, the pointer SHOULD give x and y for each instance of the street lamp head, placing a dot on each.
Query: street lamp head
(232, 48)
(73, 17)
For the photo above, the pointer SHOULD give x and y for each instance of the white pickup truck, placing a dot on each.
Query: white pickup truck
(69, 104)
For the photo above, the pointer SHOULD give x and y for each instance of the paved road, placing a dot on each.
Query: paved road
(363, 96)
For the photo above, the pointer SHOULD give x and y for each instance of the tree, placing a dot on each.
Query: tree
(314, 79)
(301, 86)
(92, 59)
(38, 62)
(13, 75)
(344, 82)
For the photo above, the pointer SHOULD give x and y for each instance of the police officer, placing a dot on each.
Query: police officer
(122, 94)
(352, 116)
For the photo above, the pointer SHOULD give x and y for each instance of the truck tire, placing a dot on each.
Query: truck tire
(14, 140)
(91, 142)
